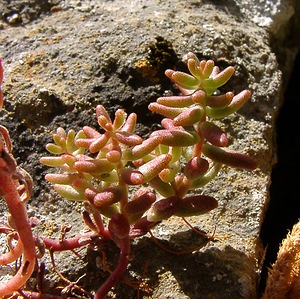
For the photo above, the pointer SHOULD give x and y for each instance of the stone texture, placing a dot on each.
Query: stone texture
(63, 59)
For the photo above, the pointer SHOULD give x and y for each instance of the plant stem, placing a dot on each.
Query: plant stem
(118, 273)
(18, 212)
(74, 242)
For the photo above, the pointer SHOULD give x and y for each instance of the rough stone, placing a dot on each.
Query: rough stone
(71, 55)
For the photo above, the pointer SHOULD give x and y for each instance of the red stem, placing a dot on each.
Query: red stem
(74, 242)
(35, 295)
(118, 273)
(199, 145)
(18, 212)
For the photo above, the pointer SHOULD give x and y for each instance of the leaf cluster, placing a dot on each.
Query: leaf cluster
(184, 155)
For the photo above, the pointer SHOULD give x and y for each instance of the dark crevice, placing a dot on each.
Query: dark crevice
(284, 206)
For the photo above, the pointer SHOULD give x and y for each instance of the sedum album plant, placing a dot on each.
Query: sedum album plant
(99, 167)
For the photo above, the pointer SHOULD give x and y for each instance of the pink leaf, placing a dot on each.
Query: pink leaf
(195, 168)
(169, 112)
(130, 123)
(176, 137)
(189, 116)
(129, 139)
(152, 168)
(175, 101)
(131, 176)
(220, 101)
(139, 204)
(108, 196)
(118, 227)
(213, 134)
(163, 209)
(196, 205)
(229, 158)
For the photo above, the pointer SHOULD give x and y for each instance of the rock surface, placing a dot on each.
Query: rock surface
(64, 58)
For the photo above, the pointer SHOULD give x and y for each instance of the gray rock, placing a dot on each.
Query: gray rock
(61, 64)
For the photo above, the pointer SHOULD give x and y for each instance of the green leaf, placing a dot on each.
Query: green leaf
(186, 81)
(54, 149)
(237, 102)
(208, 176)
(69, 192)
(52, 161)
(120, 117)
(164, 189)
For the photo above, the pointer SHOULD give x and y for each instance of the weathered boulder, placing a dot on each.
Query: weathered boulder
(64, 58)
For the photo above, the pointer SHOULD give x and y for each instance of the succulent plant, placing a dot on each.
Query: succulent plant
(184, 155)
(98, 167)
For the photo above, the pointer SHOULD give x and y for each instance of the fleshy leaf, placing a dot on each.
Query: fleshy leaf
(176, 137)
(199, 97)
(60, 137)
(132, 176)
(237, 102)
(152, 168)
(90, 132)
(129, 139)
(108, 196)
(183, 80)
(189, 116)
(141, 150)
(195, 168)
(54, 149)
(167, 175)
(169, 112)
(220, 101)
(163, 209)
(101, 111)
(164, 189)
(114, 156)
(213, 134)
(139, 204)
(99, 143)
(60, 178)
(229, 158)
(208, 68)
(196, 205)
(52, 161)
(130, 123)
(118, 227)
(175, 101)
(221, 78)
(141, 227)
(208, 176)
(94, 166)
(69, 192)
(120, 117)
